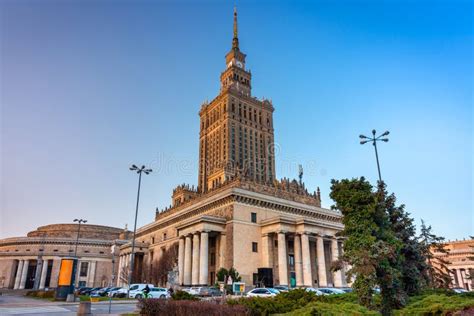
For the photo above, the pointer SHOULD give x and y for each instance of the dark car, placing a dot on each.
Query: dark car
(103, 291)
(110, 289)
(209, 291)
(88, 291)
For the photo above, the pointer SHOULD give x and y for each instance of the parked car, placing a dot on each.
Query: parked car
(99, 291)
(281, 288)
(186, 289)
(347, 289)
(136, 290)
(193, 290)
(263, 292)
(158, 292)
(460, 290)
(111, 289)
(80, 290)
(88, 291)
(315, 291)
(120, 292)
(331, 291)
(209, 291)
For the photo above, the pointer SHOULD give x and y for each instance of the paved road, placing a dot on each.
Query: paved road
(19, 305)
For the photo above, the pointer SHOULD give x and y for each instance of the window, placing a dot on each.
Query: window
(253, 217)
(82, 283)
(255, 247)
(84, 268)
(255, 279)
(291, 259)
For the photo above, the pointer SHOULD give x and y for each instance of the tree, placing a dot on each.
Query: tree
(123, 274)
(437, 271)
(371, 247)
(414, 263)
(165, 264)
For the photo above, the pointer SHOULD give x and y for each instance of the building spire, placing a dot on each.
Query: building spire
(235, 40)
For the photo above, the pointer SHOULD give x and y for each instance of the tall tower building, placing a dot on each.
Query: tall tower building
(236, 133)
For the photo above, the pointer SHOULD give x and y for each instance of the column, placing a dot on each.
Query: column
(222, 248)
(187, 260)
(91, 274)
(44, 272)
(24, 274)
(18, 274)
(181, 261)
(307, 275)
(204, 258)
(298, 267)
(266, 251)
(460, 279)
(282, 259)
(119, 269)
(321, 262)
(195, 264)
(337, 275)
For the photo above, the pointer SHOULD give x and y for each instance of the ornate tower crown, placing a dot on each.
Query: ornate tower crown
(236, 76)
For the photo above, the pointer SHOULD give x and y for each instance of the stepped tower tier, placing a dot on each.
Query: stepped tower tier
(236, 132)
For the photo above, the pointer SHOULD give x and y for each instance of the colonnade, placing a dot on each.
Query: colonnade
(193, 257)
(124, 264)
(22, 273)
(302, 259)
(461, 278)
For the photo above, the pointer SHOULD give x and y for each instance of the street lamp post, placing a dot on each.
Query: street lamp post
(374, 140)
(76, 261)
(132, 257)
(80, 221)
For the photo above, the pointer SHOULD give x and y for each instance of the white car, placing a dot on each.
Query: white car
(330, 291)
(121, 290)
(263, 292)
(315, 291)
(158, 292)
(136, 290)
(192, 290)
(460, 290)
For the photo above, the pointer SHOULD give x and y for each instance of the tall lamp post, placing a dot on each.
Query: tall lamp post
(374, 140)
(76, 261)
(140, 170)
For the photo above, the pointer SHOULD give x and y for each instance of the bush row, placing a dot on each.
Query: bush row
(40, 294)
(303, 303)
(155, 306)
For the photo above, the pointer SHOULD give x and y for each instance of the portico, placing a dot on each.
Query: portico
(194, 251)
(305, 249)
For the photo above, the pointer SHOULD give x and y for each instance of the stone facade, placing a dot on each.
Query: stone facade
(460, 258)
(37, 257)
(239, 215)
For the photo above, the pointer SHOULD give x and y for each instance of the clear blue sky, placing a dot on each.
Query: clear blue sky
(89, 87)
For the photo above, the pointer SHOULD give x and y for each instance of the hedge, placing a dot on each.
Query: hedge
(155, 306)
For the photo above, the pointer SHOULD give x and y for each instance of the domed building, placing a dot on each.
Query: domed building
(34, 261)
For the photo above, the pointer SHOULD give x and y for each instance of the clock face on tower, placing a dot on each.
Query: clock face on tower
(239, 64)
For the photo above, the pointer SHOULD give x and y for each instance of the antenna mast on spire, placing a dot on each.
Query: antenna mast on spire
(235, 40)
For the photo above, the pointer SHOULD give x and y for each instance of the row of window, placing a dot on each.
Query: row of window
(54, 250)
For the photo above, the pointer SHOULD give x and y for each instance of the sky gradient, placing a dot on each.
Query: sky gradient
(90, 87)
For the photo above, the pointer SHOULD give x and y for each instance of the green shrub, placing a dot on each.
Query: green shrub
(331, 309)
(437, 304)
(155, 306)
(40, 294)
(282, 303)
(183, 296)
